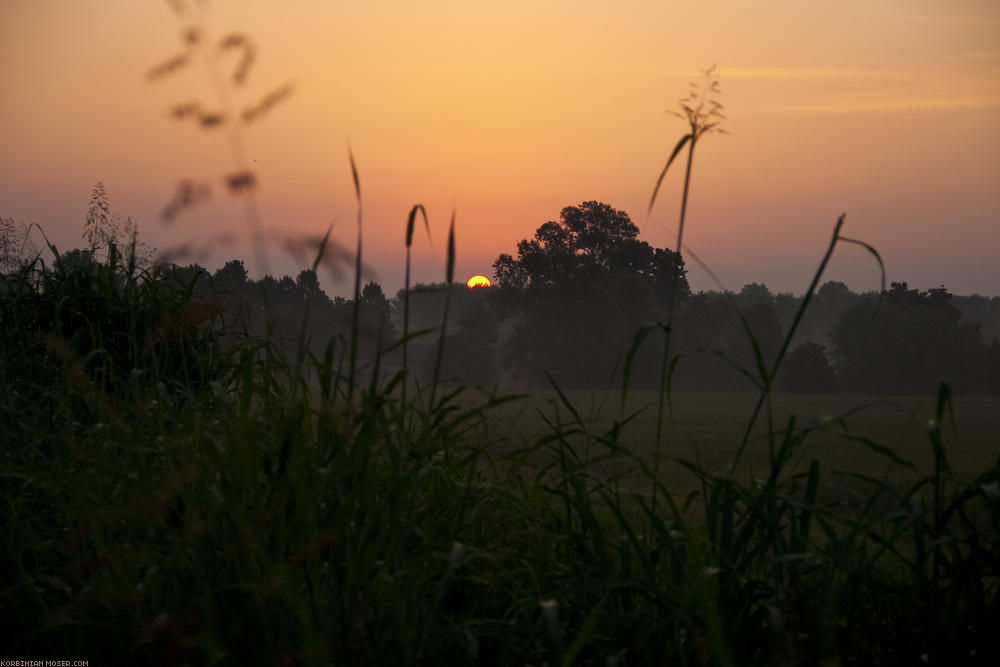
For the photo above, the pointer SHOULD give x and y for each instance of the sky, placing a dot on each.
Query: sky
(506, 112)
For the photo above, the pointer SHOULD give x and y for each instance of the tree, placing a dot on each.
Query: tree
(307, 283)
(578, 290)
(767, 335)
(232, 277)
(287, 292)
(704, 327)
(715, 346)
(375, 328)
(75, 259)
(587, 244)
(194, 276)
(471, 352)
(373, 297)
(807, 371)
(835, 292)
(754, 293)
(907, 344)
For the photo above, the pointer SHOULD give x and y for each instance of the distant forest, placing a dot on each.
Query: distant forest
(585, 291)
(900, 341)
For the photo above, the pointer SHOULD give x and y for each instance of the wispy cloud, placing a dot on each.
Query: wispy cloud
(888, 105)
(804, 73)
(989, 56)
(949, 19)
(967, 82)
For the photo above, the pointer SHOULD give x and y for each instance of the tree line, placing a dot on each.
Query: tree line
(584, 298)
(585, 301)
(576, 295)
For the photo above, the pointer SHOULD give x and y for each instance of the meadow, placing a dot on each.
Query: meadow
(707, 427)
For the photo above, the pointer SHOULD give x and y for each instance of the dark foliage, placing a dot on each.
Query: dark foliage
(471, 353)
(101, 327)
(578, 291)
(906, 342)
(722, 345)
(807, 371)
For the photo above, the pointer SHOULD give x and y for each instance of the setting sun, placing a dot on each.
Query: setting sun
(478, 281)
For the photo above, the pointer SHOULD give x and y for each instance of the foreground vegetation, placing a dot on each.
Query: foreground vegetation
(178, 490)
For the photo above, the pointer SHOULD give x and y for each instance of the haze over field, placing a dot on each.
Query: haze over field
(509, 111)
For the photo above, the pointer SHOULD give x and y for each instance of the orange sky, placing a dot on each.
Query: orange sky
(508, 111)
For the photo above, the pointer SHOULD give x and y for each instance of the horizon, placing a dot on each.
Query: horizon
(887, 113)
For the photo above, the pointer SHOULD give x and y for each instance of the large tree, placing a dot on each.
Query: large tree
(579, 289)
(590, 244)
(907, 343)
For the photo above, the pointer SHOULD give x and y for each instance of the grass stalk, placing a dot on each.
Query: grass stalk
(356, 305)
(449, 279)
(410, 221)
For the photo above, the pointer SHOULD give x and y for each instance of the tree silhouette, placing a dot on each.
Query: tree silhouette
(754, 293)
(232, 277)
(767, 333)
(307, 284)
(579, 289)
(807, 371)
(471, 352)
(715, 346)
(908, 344)
(588, 244)
(192, 275)
(375, 329)
(78, 259)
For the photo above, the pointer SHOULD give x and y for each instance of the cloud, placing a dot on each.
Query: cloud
(804, 73)
(967, 82)
(986, 56)
(952, 19)
(888, 105)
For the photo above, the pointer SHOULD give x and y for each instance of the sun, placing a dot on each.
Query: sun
(478, 281)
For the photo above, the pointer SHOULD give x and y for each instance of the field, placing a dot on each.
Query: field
(707, 428)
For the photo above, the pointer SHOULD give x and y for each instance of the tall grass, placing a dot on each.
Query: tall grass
(410, 223)
(703, 114)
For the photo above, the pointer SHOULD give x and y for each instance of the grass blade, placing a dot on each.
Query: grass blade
(659, 181)
(406, 287)
(449, 275)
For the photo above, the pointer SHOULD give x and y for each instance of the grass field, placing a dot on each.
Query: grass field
(707, 427)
